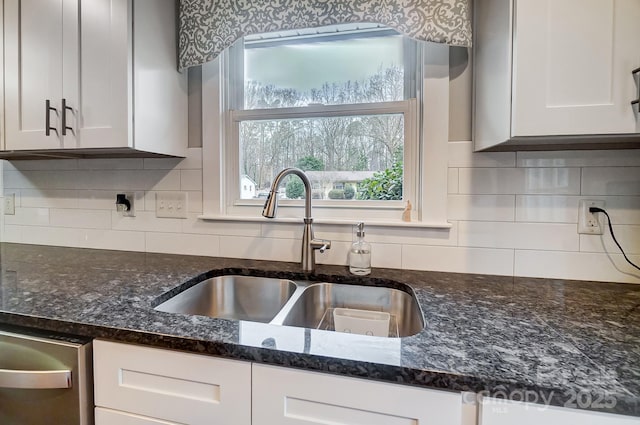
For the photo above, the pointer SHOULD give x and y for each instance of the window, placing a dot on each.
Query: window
(341, 102)
(333, 102)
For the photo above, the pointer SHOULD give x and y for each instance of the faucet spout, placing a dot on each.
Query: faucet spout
(271, 204)
(309, 244)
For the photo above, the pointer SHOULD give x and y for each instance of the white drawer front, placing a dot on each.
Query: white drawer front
(289, 397)
(112, 417)
(172, 386)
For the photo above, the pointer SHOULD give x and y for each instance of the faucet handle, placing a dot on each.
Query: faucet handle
(321, 245)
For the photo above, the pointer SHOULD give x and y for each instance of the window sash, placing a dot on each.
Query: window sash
(323, 111)
(408, 109)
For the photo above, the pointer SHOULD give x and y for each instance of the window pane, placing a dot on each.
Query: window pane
(355, 157)
(330, 69)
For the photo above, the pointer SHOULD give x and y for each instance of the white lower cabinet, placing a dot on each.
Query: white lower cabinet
(502, 412)
(137, 385)
(289, 397)
(170, 386)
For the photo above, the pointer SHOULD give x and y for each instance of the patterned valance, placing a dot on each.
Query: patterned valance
(207, 27)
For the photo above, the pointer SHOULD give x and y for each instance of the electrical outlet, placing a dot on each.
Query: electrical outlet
(9, 204)
(124, 209)
(171, 204)
(590, 223)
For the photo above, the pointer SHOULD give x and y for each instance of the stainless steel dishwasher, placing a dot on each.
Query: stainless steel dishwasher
(45, 380)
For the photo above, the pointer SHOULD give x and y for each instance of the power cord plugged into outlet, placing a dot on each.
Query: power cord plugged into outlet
(594, 210)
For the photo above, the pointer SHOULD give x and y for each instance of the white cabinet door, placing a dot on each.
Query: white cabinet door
(572, 67)
(33, 72)
(171, 386)
(501, 412)
(97, 74)
(289, 397)
(113, 417)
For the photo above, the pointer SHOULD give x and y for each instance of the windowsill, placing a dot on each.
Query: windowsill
(329, 221)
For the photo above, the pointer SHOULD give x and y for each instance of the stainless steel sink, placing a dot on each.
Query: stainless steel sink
(312, 309)
(255, 299)
(300, 304)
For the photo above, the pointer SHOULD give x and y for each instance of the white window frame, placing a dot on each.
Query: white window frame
(425, 172)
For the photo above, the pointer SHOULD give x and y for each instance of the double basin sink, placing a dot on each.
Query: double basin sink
(288, 303)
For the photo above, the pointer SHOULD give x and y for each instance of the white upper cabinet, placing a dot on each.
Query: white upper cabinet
(33, 73)
(556, 70)
(112, 86)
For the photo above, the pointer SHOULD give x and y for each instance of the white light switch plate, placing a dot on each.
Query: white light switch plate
(9, 204)
(171, 204)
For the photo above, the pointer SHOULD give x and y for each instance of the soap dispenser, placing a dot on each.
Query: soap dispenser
(360, 253)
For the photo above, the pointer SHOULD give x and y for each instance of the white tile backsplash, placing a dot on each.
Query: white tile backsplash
(182, 243)
(606, 158)
(46, 235)
(561, 181)
(481, 207)
(564, 209)
(623, 209)
(543, 236)
(627, 236)
(260, 248)
(55, 179)
(511, 214)
(28, 216)
(82, 219)
(146, 221)
(576, 265)
(284, 230)
(458, 259)
(418, 236)
(194, 202)
(547, 209)
(48, 198)
(129, 180)
(564, 181)
(386, 255)
(12, 233)
(111, 239)
(229, 228)
(611, 181)
(191, 180)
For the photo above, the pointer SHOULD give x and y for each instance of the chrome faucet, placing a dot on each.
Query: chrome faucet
(309, 243)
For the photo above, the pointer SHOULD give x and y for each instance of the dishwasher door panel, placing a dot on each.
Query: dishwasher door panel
(44, 381)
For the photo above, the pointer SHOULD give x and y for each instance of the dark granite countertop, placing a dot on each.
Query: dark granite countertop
(565, 343)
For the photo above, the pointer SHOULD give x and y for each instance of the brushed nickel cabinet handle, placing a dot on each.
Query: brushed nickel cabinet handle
(47, 118)
(64, 109)
(634, 72)
(35, 379)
